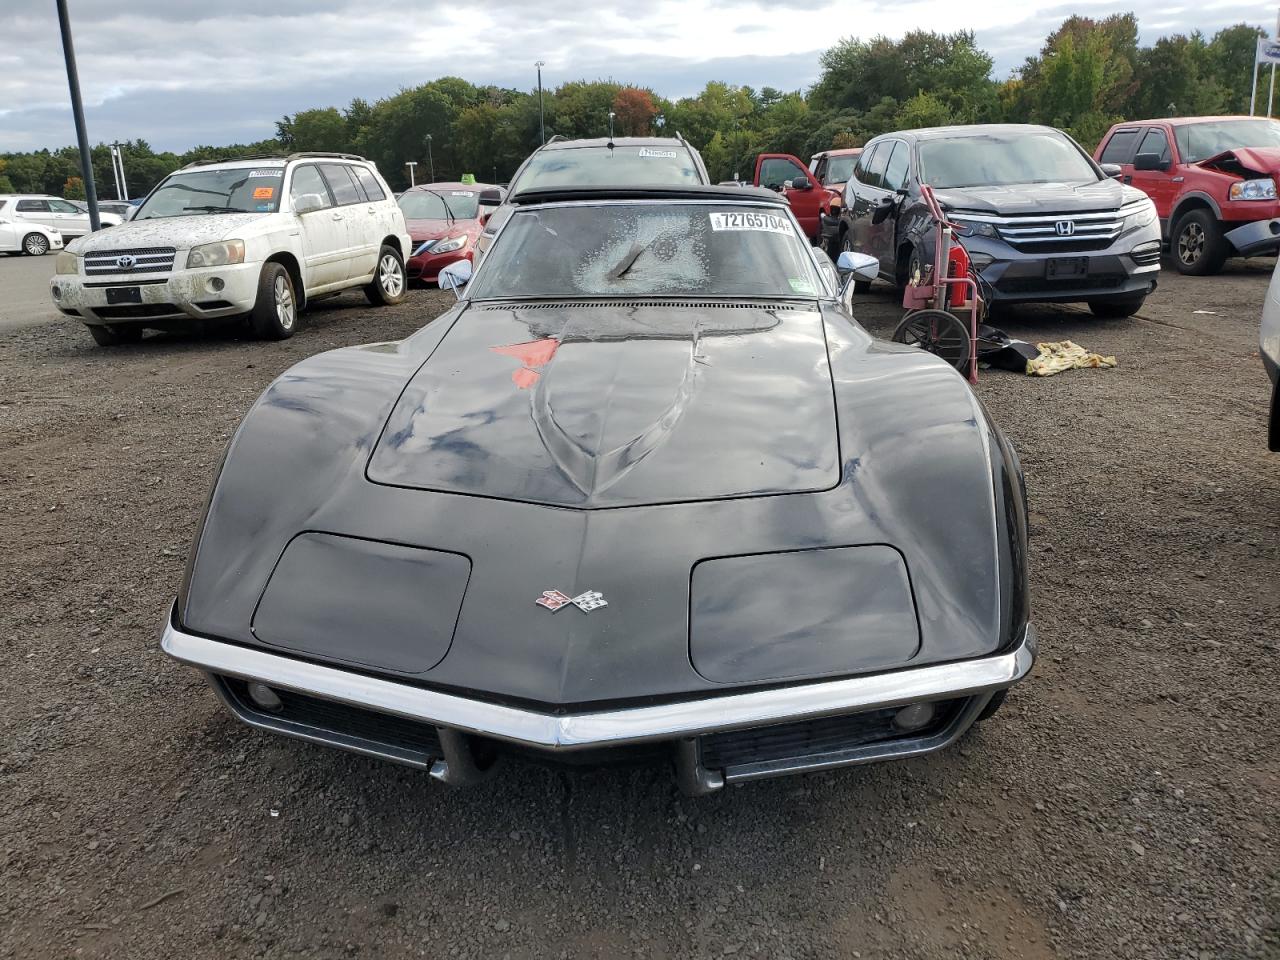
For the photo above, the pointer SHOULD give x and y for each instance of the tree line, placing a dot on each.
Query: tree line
(1089, 74)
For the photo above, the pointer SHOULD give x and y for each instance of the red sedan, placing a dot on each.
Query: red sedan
(444, 221)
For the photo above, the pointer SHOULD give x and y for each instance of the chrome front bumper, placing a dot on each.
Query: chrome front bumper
(680, 722)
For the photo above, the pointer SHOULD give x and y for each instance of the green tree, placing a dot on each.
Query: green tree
(325, 130)
(1231, 59)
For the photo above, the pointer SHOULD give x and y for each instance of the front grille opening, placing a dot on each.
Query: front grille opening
(662, 304)
(137, 311)
(214, 304)
(338, 720)
(1048, 285)
(811, 739)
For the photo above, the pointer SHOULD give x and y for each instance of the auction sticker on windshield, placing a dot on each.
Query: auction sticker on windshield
(767, 222)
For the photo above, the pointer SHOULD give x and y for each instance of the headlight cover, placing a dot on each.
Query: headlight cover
(450, 245)
(66, 264)
(974, 228)
(1261, 189)
(216, 254)
(1139, 215)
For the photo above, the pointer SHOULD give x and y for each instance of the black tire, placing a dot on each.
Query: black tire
(112, 336)
(389, 284)
(1117, 308)
(1197, 244)
(940, 333)
(993, 705)
(846, 243)
(275, 311)
(35, 244)
(909, 261)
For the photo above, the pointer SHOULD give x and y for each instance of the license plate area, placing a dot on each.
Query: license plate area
(1059, 267)
(124, 295)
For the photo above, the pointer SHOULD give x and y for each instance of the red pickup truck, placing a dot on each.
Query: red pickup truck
(1213, 181)
(810, 200)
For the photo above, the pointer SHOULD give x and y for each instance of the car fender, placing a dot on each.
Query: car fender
(1190, 199)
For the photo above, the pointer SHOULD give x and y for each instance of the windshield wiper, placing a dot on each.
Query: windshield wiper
(627, 262)
(210, 208)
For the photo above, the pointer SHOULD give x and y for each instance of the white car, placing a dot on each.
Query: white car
(54, 213)
(258, 237)
(23, 237)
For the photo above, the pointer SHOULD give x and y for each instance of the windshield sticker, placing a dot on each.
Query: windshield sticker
(462, 193)
(800, 285)
(264, 193)
(646, 153)
(265, 173)
(766, 222)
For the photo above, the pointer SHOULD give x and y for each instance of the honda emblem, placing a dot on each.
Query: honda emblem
(1065, 228)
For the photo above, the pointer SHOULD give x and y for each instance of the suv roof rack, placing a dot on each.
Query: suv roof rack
(287, 158)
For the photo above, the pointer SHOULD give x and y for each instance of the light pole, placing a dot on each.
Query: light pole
(542, 117)
(77, 114)
(122, 184)
(431, 163)
(611, 116)
(411, 164)
(115, 171)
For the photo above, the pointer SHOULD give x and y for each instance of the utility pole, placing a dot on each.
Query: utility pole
(122, 185)
(115, 171)
(411, 164)
(77, 114)
(542, 117)
(611, 116)
(430, 162)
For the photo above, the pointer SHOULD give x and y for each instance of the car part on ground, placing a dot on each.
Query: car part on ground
(1044, 224)
(269, 235)
(471, 540)
(1211, 178)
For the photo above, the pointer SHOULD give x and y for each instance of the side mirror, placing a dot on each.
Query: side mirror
(858, 266)
(1150, 161)
(800, 183)
(456, 276)
(882, 209)
(1112, 170)
(307, 203)
(491, 197)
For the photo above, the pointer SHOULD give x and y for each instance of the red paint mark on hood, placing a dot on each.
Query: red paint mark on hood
(534, 353)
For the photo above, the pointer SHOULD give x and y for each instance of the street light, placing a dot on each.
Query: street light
(117, 164)
(77, 115)
(411, 164)
(611, 116)
(660, 121)
(542, 118)
(430, 162)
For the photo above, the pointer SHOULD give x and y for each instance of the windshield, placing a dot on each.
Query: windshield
(1200, 141)
(995, 159)
(242, 190)
(649, 249)
(839, 169)
(433, 205)
(605, 167)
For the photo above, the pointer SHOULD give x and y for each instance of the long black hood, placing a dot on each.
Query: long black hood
(1029, 199)
(589, 404)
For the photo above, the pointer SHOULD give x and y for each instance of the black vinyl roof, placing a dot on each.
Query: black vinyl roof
(708, 192)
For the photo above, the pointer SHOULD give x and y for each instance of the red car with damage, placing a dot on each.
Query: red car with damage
(1213, 181)
(444, 221)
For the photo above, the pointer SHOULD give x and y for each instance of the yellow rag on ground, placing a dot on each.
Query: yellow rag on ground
(1064, 355)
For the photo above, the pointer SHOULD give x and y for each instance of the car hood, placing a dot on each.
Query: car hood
(621, 403)
(421, 230)
(1244, 160)
(1037, 198)
(181, 232)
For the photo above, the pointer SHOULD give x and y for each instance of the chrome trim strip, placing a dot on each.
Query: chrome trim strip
(670, 721)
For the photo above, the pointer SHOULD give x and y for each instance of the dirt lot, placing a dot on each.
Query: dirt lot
(1124, 804)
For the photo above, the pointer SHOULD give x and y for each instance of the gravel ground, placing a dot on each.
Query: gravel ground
(1123, 804)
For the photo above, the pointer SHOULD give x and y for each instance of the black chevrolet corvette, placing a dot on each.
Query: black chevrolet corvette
(647, 492)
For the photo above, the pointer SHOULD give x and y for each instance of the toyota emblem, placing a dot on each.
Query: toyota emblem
(1065, 228)
(126, 262)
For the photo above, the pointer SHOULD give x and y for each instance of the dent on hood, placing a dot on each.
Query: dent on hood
(1230, 162)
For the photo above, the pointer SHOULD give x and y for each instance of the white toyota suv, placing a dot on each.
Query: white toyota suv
(258, 237)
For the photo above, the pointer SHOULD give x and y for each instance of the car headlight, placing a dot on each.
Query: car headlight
(450, 245)
(974, 228)
(216, 254)
(1262, 189)
(1139, 215)
(423, 248)
(66, 263)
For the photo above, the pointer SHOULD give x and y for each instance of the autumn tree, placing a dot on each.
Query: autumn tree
(635, 112)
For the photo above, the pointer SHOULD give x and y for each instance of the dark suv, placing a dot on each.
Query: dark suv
(603, 162)
(1041, 221)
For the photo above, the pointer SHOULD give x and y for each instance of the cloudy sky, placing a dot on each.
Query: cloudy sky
(179, 72)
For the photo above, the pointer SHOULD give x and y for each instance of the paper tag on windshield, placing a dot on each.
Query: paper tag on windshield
(462, 193)
(766, 222)
(265, 173)
(646, 152)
